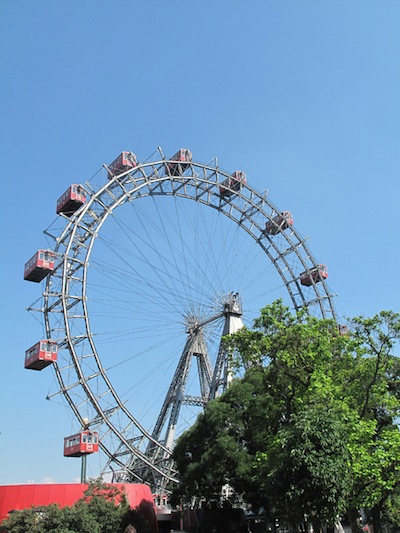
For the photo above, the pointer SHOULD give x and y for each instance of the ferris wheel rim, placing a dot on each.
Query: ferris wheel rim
(205, 181)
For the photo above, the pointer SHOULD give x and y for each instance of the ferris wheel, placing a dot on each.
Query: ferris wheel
(139, 286)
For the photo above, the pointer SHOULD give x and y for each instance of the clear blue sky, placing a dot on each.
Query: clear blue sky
(302, 95)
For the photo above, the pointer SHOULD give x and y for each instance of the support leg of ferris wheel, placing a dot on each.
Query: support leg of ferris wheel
(222, 375)
(195, 346)
(212, 383)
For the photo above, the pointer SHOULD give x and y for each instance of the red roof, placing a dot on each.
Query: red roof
(17, 497)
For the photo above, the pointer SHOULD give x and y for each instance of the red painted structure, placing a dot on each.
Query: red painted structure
(279, 223)
(124, 161)
(232, 184)
(17, 497)
(183, 158)
(41, 354)
(39, 266)
(71, 200)
(315, 275)
(81, 443)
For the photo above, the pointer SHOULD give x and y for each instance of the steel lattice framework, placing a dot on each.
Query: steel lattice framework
(133, 452)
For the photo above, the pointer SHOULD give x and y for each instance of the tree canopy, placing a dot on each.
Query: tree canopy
(311, 428)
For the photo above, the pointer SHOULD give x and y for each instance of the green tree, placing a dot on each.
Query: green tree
(305, 472)
(374, 395)
(292, 468)
(311, 424)
(213, 452)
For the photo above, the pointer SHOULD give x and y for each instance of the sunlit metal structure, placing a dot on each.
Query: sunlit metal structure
(134, 451)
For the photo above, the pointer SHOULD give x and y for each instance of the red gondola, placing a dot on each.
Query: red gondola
(279, 223)
(315, 275)
(82, 443)
(39, 266)
(41, 354)
(71, 200)
(232, 184)
(124, 161)
(183, 158)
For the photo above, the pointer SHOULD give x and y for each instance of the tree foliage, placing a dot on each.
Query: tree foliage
(305, 472)
(311, 428)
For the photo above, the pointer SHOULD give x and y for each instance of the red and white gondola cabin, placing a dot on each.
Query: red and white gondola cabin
(82, 443)
(279, 223)
(124, 161)
(41, 354)
(183, 158)
(232, 184)
(39, 266)
(71, 200)
(315, 275)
